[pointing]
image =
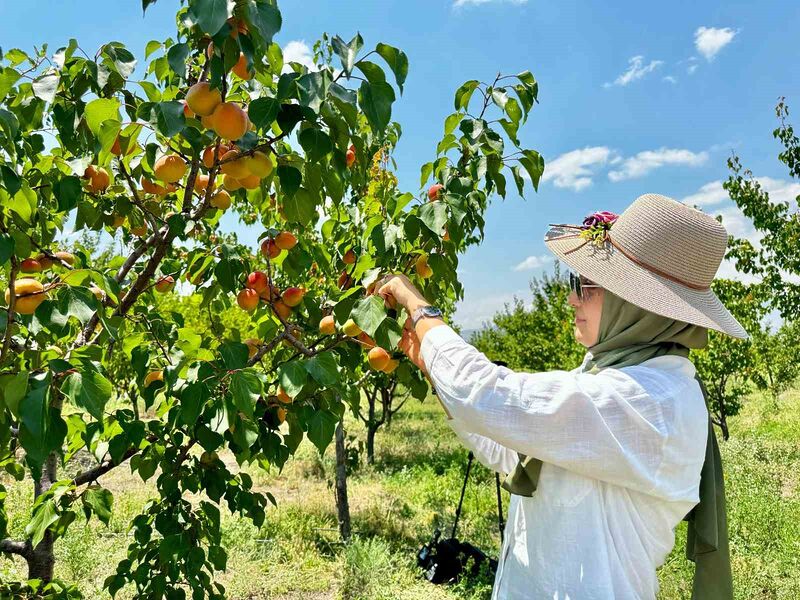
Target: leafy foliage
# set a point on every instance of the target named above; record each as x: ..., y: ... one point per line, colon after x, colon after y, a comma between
x: 96, y: 358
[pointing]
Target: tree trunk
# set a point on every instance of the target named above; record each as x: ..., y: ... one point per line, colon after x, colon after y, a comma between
x: 42, y: 559
x: 342, y: 505
x: 372, y: 429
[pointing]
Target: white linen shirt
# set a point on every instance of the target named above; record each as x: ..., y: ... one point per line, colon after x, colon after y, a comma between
x: 622, y: 452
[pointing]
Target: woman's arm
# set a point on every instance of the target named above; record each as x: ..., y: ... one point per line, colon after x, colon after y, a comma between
x: 488, y: 452
x: 603, y: 426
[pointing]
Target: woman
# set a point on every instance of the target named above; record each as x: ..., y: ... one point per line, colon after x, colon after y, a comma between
x: 603, y: 461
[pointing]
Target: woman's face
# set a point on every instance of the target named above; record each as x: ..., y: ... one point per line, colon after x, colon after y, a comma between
x: 588, y: 310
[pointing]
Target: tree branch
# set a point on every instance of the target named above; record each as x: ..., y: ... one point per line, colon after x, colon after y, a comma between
x: 15, y: 547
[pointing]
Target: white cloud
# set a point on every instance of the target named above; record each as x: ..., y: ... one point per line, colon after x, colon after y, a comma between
x: 636, y: 70
x: 300, y: 52
x: 691, y: 68
x: 644, y: 162
x: 534, y: 262
x: 670, y: 79
x: 459, y: 3
x: 708, y: 195
x: 574, y: 170
x: 779, y: 190
x: 710, y: 40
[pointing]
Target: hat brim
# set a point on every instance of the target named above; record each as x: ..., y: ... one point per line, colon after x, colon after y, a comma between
x: 611, y: 269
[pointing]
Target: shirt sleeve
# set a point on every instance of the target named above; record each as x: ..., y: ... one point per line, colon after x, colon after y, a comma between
x: 603, y: 426
x: 488, y: 452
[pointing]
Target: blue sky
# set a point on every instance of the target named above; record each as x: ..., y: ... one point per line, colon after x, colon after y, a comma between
x: 634, y: 97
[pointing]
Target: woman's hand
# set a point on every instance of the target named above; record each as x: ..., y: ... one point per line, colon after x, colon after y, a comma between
x: 398, y: 290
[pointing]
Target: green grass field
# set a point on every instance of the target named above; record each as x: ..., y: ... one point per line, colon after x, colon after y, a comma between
x: 412, y: 489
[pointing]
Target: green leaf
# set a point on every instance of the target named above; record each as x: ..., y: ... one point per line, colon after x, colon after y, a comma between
x: 519, y: 180
x: 347, y: 52
x: 371, y: 71
x: 533, y: 163
x: 89, y: 390
x: 77, y: 302
x: 451, y: 122
x: 369, y: 313
x: 11, y: 181
x: 464, y: 93
x: 210, y: 15
x: 397, y: 61
x: 315, y: 142
x: 42, y: 429
x: 8, y: 77
x: 99, y: 501
x: 45, y: 86
x: 266, y: 18
x: 12, y: 390
x: 246, y: 390
x: 176, y: 57
x: 292, y: 377
x: 263, y: 111
x: 290, y: 179
x: 6, y: 247
x: 44, y: 515
x: 500, y: 97
x: 152, y: 45
x: 67, y: 191
x: 376, y: 99
x: 513, y: 111
x: 168, y: 117
x: 99, y: 110
x: 323, y: 368
x: 425, y: 173
x: 434, y: 215
x: 321, y: 427
x: 234, y: 355
x: 313, y: 88
x: 300, y: 208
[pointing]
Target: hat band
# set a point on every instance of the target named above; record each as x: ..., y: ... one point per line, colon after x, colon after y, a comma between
x: 633, y: 259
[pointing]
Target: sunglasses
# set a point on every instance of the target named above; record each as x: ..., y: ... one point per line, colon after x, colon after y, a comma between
x: 577, y: 284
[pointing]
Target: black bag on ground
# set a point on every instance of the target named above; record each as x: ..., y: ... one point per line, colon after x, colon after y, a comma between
x: 446, y: 560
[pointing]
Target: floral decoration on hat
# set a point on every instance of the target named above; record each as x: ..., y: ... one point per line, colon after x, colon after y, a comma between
x: 596, y: 226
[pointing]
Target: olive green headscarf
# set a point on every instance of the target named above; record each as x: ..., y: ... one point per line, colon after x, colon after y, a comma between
x: 630, y: 335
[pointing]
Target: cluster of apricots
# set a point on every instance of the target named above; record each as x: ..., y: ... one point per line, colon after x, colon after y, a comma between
x: 258, y: 287
x: 379, y: 359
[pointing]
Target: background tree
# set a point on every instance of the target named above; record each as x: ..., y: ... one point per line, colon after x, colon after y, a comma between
x: 774, y: 259
x: 726, y: 364
x: 535, y: 336
x: 776, y: 367
x: 154, y: 153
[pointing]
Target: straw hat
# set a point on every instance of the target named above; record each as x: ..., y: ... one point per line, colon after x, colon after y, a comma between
x: 659, y: 254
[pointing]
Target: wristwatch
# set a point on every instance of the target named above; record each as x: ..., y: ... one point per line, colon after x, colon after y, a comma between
x: 425, y: 312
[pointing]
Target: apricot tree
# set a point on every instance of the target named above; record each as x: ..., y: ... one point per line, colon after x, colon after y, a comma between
x: 91, y: 357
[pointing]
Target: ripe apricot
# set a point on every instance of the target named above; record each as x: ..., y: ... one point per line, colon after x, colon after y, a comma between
x: 257, y: 280
x: 423, y: 269
x: 350, y: 328
x: 252, y: 346
x: 170, y: 168
x: 98, y: 177
x: 282, y: 309
x: 251, y: 182
x: 259, y: 164
x: 29, y: 295
x: 221, y: 200
x: 350, y: 157
x: 230, y: 183
x: 349, y: 257
x: 435, y: 191
x: 247, y: 299
x: 203, y: 99
x: 229, y: 121
x: 283, y: 397
x: 378, y: 358
x: 240, y: 68
x: 233, y: 165
x: 285, y: 240
x: 165, y: 284
x: 293, y: 296
x: 152, y: 377
x: 270, y: 249
x: 30, y: 265
x: 327, y: 325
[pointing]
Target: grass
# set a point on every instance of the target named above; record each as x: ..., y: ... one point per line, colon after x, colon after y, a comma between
x: 412, y: 489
